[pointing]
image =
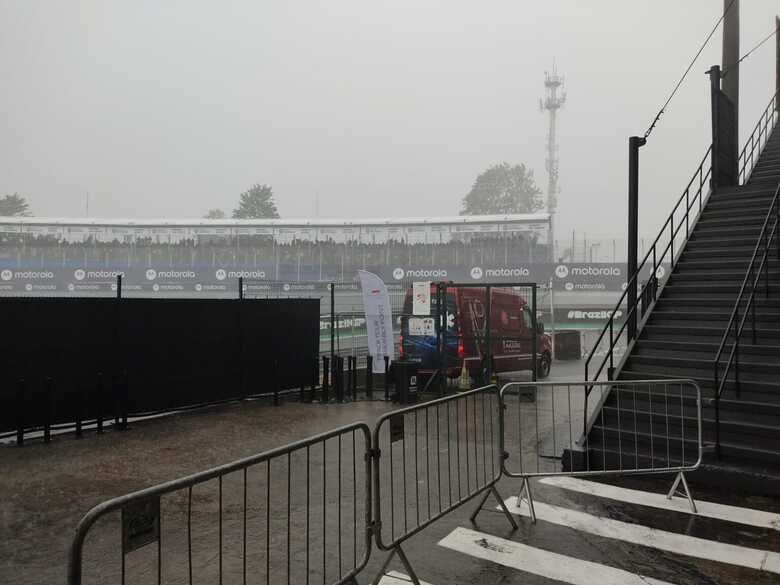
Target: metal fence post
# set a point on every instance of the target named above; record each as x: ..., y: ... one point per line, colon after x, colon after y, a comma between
x: 534, y: 333
x: 48, y: 398
x: 276, y: 382
x: 325, y: 379
x: 370, y: 377
x: 315, y: 374
x: 125, y: 394
x: 80, y: 410
x: 99, y: 402
x: 20, y: 392
x: 387, y: 378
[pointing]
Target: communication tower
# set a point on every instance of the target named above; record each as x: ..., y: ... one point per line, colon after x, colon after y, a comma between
x: 554, y: 98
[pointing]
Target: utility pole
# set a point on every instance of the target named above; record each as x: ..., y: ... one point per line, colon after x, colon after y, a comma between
x: 730, y: 59
x: 552, y: 102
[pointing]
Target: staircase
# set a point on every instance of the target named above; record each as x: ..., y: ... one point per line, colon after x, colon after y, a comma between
x: 682, y: 334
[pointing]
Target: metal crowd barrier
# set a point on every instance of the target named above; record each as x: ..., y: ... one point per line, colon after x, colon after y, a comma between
x: 306, y: 512
x: 430, y: 459
x: 302, y: 511
x: 631, y: 427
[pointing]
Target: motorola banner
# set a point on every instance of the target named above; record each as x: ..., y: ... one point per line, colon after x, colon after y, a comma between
x: 569, y: 277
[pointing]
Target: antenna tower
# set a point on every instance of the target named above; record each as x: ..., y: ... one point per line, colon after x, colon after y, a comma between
x: 552, y: 102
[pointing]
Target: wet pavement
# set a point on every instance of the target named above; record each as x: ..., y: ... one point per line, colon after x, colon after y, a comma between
x: 47, y: 488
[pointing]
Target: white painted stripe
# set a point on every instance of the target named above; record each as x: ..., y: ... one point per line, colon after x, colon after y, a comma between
x: 539, y: 562
x: 736, y: 514
x: 681, y: 544
x: 396, y: 578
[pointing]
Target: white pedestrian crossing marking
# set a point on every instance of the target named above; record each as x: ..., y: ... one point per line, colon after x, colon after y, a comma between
x: 736, y: 514
x: 540, y: 562
x: 651, y: 537
x: 396, y: 578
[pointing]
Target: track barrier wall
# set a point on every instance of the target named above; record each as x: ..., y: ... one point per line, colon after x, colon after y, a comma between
x: 313, y: 510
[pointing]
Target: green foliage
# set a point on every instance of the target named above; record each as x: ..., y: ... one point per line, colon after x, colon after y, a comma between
x: 215, y: 214
x: 14, y: 206
x: 503, y: 189
x: 257, y: 202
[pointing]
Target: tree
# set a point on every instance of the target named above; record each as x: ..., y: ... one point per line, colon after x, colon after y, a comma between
x: 256, y: 202
x: 14, y: 206
x: 215, y: 214
x: 503, y: 189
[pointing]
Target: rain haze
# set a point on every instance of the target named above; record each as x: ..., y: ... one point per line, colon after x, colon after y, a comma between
x: 353, y: 109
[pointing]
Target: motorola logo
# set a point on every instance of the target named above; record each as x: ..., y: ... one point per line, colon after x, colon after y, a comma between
x: 79, y: 274
x: 561, y: 271
x: 476, y: 273
x: 6, y: 275
x: 151, y: 274
x: 398, y: 273
x: 221, y: 274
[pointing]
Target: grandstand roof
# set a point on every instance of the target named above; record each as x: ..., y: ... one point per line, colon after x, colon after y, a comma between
x: 446, y: 220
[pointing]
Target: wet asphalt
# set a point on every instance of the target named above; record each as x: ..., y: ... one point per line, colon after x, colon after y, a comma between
x: 46, y: 489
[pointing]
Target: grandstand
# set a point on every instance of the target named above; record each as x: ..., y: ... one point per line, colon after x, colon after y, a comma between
x: 274, y: 249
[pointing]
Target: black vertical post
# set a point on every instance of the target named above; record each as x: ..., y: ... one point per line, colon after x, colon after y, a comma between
x: 387, y: 378
x: 49, y: 408
x: 125, y: 397
x: 80, y: 391
x: 242, y: 390
x: 20, y: 392
x: 634, y: 144
x: 119, y: 286
x: 534, y: 334
x: 339, y: 375
x: 315, y: 374
x: 354, y: 377
x: 488, y: 341
x: 714, y: 73
x: 332, y: 323
x: 325, y: 379
x: 370, y: 377
x: 99, y: 403
x: 240, y: 288
x: 276, y: 382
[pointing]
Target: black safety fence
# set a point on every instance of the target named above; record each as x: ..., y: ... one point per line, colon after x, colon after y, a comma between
x: 312, y: 511
x: 76, y: 362
x: 342, y: 320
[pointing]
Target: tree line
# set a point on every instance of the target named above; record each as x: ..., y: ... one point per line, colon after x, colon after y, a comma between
x: 501, y: 189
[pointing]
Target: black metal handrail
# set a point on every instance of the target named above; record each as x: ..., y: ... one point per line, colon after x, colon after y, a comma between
x: 736, y: 326
x: 756, y: 141
x: 649, y: 289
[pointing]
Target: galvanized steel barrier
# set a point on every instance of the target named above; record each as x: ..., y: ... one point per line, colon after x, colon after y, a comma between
x: 306, y: 512
x: 430, y: 459
x: 638, y: 427
x: 302, y: 511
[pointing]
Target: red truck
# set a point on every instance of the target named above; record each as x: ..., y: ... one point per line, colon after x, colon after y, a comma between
x: 465, y: 335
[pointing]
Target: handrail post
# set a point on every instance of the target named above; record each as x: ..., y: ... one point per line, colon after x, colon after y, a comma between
x: 736, y: 354
x: 753, y: 304
x: 611, y: 369
x: 634, y: 144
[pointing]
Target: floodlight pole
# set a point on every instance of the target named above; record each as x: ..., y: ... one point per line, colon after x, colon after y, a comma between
x: 634, y: 144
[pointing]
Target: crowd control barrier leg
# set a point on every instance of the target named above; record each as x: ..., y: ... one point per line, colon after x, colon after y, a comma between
x: 397, y: 550
x: 680, y: 480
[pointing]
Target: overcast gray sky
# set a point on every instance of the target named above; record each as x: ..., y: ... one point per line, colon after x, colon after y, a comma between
x: 166, y: 109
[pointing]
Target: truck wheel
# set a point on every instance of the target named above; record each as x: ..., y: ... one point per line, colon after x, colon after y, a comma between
x: 543, y: 369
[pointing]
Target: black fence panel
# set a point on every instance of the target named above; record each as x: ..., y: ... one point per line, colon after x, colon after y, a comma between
x: 70, y: 360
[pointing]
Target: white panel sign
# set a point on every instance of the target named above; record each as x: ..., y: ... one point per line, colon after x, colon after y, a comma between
x: 421, y: 298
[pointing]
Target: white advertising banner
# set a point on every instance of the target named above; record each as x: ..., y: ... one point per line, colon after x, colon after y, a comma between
x: 379, y: 319
x: 421, y: 298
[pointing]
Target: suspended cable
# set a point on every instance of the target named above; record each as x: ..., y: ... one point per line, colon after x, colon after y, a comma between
x: 750, y: 52
x: 690, y: 66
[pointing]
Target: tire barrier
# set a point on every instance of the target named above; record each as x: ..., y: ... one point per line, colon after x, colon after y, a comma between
x: 313, y: 510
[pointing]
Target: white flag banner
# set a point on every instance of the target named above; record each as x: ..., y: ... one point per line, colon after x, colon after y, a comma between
x: 379, y: 319
x: 421, y: 298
